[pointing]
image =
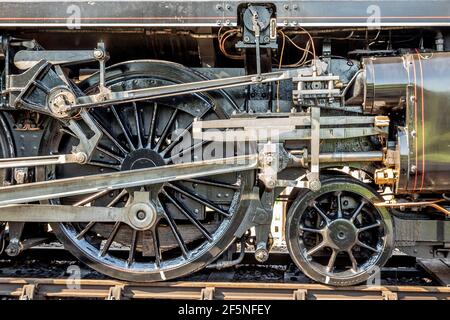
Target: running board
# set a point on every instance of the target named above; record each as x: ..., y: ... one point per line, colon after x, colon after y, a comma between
x: 53, y: 189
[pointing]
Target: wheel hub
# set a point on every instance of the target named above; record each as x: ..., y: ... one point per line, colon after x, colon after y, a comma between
x: 342, y: 234
x: 142, y: 215
x: 141, y: 159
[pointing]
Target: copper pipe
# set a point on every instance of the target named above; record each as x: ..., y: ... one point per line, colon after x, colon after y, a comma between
x: 433, y: 204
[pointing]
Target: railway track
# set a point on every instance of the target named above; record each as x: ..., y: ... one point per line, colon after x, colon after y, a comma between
x: 29, y: 289
x: 45, y: 276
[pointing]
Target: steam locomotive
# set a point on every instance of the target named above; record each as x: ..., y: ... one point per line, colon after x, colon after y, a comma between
x: 153, y: 139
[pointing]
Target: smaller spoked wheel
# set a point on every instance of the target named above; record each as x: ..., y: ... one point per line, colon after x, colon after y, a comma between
x: 337, y: 236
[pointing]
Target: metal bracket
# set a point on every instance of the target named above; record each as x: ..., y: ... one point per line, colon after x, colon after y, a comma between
x: 272, y: 159
x: 115, y: 293
x: 83, y: 151
x: 15, y: 234
x: 207, y: 293
x: 259, y: 215
x: 28, y: 292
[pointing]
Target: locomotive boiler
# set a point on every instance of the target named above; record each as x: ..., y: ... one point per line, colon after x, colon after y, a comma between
x: 153, y: 139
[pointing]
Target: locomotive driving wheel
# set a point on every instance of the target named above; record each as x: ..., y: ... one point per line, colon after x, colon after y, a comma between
x: 336, y: 235
x: 193, y: 221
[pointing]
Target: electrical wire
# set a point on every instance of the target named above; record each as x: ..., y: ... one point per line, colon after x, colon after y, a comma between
x: 222, y: 38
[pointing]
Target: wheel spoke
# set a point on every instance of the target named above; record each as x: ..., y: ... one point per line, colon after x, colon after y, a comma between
x: 138, y: 125
x: 332, y: 260
x: 182, y: 134
x: 362, y: 244
x: 176, y: 233
x: 110, y: 154
x: 339, y: 204
x: 353, y: 260
x: 117, y: 198
x: 188, y: 214
x: 101, y: 149
x: 315, y: 249
x: 156, y: 247
x: 305, y: 229
x: 165, y: 132
x: 189, y: 149
x: 375, y: 225
x: 357, y: 211
x: 91, y: 198
x: 104, y: 165
x: 321, y: 213
x: 85, y: 230
x: 134, y: 236
x: 214, y: 184
x: 124, y: 130
x: 176, y: 140
x: 110, y: 239
x: 110, y: 137
x: 151, y: 133
x: 198, y: 199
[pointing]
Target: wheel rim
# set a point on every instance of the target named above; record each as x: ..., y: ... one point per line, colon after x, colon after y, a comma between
x: 195, y: 218
x: 338, y: 236
x: 2, y: 237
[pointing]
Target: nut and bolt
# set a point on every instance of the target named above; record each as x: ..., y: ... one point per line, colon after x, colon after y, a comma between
x: 99, y: 54
x: 269, y: 159
x: 261, y: 255
x: 81, y: 157
x: 315, y: 185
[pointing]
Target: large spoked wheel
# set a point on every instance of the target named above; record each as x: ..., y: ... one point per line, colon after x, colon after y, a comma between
x: 196, y: 219
x: 337, y: 236
x: 6, y: 175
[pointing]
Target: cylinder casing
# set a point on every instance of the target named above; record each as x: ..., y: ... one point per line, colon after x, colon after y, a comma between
x: 419, y: 83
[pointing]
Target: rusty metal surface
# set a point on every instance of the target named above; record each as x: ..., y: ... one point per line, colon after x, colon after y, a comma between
x: 27, y: 289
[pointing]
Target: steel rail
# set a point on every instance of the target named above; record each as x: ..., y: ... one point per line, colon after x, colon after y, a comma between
x: 32, y: 288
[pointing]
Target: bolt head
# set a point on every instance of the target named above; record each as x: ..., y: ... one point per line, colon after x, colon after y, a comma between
x: 141, y: 215
x: 98, y: 54
x: 81, y: 157
x: 261, y: 255
x: 315, y: 185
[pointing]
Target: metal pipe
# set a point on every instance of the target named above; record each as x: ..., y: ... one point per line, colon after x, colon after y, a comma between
x: 351, y: 156
x: 337, y: 157
x: 226, y: 264
x: 433, y: 204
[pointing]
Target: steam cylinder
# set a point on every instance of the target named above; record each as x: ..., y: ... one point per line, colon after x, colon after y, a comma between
x: 418, y: 83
